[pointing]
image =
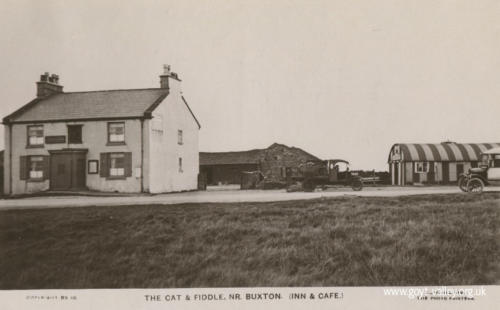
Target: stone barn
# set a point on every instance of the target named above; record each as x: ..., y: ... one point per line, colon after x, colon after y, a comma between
x: 274, y: 162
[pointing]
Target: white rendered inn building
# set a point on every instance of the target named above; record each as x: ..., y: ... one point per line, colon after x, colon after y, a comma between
x: 131, y: 140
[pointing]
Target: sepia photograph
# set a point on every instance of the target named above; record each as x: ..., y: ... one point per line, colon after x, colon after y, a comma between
x: 256, y: 154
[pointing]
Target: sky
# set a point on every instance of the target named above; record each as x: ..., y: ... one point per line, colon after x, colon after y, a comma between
x: 340, y: 79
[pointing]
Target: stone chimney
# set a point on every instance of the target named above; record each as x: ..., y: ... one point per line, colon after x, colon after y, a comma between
x: 48, y: 85
x: 167, y: 76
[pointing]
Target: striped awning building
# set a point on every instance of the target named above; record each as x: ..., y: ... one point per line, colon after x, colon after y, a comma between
x: 446, y: 151
x: 427, y: 163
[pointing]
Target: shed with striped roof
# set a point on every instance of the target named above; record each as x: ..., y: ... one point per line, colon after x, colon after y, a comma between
x: 438, y: 163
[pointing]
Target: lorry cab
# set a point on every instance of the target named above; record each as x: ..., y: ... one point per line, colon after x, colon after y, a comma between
x: 493, y: 171
x: 337, y: 169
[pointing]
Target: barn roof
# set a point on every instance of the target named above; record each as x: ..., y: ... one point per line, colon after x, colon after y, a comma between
x: 230, y: 158
x: 446, y: 151
x: 129, y: 103
x: 244, y: 157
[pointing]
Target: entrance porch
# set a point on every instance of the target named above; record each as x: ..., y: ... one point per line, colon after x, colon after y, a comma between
x: 68, y: 170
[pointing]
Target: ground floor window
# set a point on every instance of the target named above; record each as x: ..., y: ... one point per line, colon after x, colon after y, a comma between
x: 116, y: 165
x: 180, y: 165
x: 421, y: 167
x: 36, y: 168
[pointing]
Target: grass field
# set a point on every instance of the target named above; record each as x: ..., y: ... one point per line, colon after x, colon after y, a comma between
x: 349, y: 241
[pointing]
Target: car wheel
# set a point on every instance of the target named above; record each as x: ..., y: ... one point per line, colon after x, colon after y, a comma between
x: 475, y: 186
x: 462, y: 183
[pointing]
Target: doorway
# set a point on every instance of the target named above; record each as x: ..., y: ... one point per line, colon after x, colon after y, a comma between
x: 68, y: 170
x: 396, y: 174
x: 446, y: 172
x: 460, y: 170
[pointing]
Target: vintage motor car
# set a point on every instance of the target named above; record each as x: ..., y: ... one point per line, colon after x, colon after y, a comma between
x: 487, y: 174
x: 333, y: 172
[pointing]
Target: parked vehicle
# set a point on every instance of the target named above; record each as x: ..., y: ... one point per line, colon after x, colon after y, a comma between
x: 325, y: 173
x: 487, y: 174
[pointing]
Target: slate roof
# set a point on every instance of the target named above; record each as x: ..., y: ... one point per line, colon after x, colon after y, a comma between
x: 230, y: 158
x: 254, y: 156
x: 129, y: 103
x: 446, y: 151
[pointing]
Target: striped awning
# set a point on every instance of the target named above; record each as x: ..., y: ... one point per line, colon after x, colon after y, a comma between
x: 446, y: 151
x: 495, y: 150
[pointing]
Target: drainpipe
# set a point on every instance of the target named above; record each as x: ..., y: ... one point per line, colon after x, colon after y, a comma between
x: 142, y: 155
x: 10, y: 159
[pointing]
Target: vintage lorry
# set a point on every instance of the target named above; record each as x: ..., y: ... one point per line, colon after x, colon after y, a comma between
x: 487, y: 174
x: 324, y: 173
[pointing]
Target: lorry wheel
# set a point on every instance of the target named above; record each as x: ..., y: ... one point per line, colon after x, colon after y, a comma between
x: 475, y: 185
x: 357, y: 185
x: 462, y: 183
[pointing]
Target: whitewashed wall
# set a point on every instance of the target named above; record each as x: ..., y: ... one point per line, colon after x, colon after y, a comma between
x: 169, y: 117
x: 94, y: 135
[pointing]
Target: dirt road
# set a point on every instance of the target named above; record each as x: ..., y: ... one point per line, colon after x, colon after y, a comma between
x: 233, y: 195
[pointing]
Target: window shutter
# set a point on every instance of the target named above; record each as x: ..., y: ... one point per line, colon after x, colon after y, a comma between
x: 23, y: 174
x: 46, y: 167
x: 128, y: 164
x: 104, y: 172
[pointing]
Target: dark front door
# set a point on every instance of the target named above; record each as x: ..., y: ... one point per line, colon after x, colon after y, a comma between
x: 396, y: 174
x: 60, y: 171
x: 78, y: 171
x: 460, y: 169
x: 446, y: 172
x: 431, y: 175
x: 67, y: 171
